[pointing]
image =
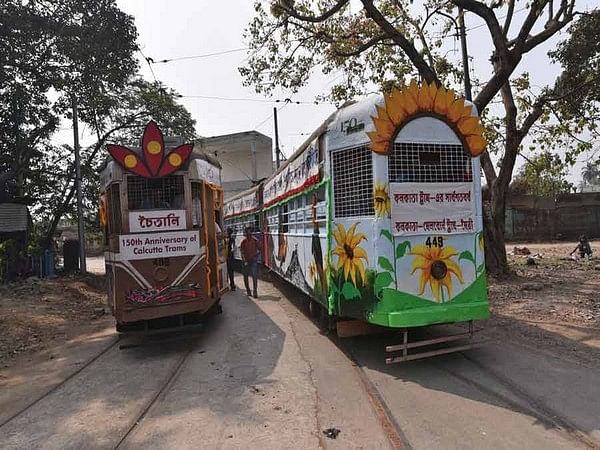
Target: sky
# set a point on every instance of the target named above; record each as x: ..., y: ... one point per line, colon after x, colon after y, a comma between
x: 183, y: 28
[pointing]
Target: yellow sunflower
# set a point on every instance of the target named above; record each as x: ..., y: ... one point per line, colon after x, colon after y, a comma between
x: 381, y: 200
x: 349, y: 253
x: 436, y: 267
x: 312, y: 272
x: 401, y: 106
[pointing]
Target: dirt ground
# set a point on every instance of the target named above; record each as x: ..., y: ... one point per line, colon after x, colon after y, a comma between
x: 36, y: 314
x: 555, y: 289
x: 554, y: 304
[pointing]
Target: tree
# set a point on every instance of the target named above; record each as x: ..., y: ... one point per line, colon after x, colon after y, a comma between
x: 591, y: 173
x: 82, y: 48
x: 389, y: 41
x: 544, y: 175
x: 139, y: 102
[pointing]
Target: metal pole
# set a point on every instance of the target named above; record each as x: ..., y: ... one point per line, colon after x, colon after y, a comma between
x: 276, y: 138
x: 465, y: 55
x: 81, y: 229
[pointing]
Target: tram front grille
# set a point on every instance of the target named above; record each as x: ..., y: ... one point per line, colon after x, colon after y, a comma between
x: 429, y: 163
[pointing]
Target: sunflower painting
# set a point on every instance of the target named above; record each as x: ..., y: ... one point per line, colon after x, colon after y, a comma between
x: 312, y: 272
x: 381, y: 199
x: 436, y: 266
x: 349, y: 254
x: 401, y: 106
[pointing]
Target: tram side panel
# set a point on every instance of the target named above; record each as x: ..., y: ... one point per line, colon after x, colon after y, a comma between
x: 296, y: 243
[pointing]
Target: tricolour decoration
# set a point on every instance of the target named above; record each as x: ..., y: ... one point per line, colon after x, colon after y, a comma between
x: 402, y: 106
x: 154, y: 161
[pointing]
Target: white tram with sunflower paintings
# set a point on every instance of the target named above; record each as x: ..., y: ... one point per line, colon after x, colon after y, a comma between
x: 377, y: 217
x: 161, y: 210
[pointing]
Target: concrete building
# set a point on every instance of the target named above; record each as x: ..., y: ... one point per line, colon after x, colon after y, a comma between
x: 246, y: 158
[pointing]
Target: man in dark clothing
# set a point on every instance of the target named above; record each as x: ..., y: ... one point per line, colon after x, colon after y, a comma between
x: 250, y: 252
x: 230, y: 249
x: 584, y: 247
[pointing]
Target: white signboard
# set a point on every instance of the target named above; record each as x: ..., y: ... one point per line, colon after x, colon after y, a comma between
x: 244, y: 204
x: 432, y: 208
x: 163, y: 220
x: 159, y: 245
x: 299, y: 173
x: 204, y: 170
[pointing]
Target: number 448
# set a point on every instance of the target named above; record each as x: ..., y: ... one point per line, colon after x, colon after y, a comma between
x: 436, y: 241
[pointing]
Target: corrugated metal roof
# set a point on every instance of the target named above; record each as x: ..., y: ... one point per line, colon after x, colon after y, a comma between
x: 13, y: 217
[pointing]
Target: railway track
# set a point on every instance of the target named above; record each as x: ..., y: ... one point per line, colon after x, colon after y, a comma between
x: 93, y: 364
x: 166, y: 383
x: 61, y: 383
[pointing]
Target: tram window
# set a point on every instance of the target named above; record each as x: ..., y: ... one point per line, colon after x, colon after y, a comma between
x: 155, y: 193
x: 114, y: 209
x: 353, y: 182
x: 429, y: 163
x: 283, y: 218
x: 196, y: 205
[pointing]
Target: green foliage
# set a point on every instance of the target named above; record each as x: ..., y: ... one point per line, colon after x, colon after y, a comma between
x: 143, y: 100
x: 544, y: 174
x: 401, y: 249
x: 387, y: 235
x: 65, y: 47
x: 348, y: 47
x: 382, y: 280
x: 466, y: 254
x: 385, y: 264
x: 590, y: 174
x: 350, y: 292
x: 59, y: 50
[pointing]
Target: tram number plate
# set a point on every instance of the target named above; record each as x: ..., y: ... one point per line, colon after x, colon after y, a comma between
x: 435, y: 241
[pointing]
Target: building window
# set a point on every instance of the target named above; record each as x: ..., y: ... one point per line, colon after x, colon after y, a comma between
x: 429, y: 163
x: 353, y: 182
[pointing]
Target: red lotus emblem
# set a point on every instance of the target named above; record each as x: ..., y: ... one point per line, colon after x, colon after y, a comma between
x: 154, y: 160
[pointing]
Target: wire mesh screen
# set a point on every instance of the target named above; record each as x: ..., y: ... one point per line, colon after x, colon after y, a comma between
x: 429, y: 163
x: 353, y: 182
x: 155, y: 193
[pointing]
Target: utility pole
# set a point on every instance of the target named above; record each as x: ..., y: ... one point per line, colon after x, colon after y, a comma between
x: 465, y: 55
x: 81, y: 230
x: 276, y: 138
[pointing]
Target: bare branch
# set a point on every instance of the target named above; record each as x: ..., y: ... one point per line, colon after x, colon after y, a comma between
x: 426, y: 71
x: 488, y: 15
x: 288, y: 7
x: 361, y: 48
x: 509, y: 16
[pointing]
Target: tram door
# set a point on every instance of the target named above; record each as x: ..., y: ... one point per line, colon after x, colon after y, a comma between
x: 213, y: 197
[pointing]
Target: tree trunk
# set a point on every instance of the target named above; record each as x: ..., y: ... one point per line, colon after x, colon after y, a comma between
x: 493, y: 226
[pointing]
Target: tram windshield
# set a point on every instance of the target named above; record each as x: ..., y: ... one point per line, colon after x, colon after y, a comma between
x: 155, y: 193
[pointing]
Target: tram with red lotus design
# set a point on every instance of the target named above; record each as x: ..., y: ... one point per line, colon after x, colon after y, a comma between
x: 161, y: 210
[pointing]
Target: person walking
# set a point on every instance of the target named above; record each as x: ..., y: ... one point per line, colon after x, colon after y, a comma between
x: 250, y: 252
x: 230, y: 249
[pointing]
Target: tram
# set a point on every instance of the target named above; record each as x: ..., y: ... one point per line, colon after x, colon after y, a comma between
x: 161, y: 210
x: 378, y: 217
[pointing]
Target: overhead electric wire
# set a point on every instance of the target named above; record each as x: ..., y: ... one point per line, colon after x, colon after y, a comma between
x: 257, y: 100
x: 205, y: 55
